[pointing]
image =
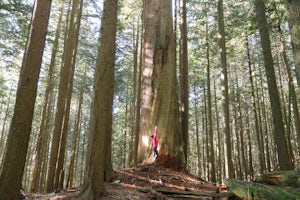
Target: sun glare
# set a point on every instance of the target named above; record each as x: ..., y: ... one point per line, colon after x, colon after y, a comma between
x: 145, y: 140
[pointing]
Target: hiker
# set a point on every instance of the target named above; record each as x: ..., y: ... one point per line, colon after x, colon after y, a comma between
x: 155, y: 142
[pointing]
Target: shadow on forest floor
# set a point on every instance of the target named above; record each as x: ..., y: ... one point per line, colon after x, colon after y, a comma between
x: 149, y: 182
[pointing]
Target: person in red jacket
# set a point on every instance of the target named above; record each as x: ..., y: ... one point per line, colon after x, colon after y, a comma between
x: 155, y: 142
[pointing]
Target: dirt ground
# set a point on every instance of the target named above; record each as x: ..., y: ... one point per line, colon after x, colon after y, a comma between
x: 149, y: 182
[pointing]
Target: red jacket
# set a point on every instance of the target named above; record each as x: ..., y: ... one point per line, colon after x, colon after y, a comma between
x: 154, y: 138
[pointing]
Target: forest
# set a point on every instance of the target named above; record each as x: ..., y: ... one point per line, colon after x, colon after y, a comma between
x: 84, y: 84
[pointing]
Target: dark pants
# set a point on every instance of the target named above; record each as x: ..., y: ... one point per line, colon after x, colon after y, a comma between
x: 155, y: 152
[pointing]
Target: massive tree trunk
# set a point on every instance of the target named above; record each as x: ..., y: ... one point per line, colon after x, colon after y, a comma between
x: 229, y: 170
x: 101, y: 129
x: 279, y: 132
x: 159, y: 104
x: 20, y: 128
x: 293, y: 16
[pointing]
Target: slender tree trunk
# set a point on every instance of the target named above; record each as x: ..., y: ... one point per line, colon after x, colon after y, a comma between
x: 279, y: 132
x: 62, y: 97
x: 102, y: 113
x: 244, y: 164
x: 209, y: 111
x: 58, y: 184
x: 220, y: 142
x: 20, y: 128
x: 70, y: 181
x: 138, y: 96
x: 197, y: 128
x: 226, y: 124
x: 254, y: 104
x: 135, y: 98
x: 240, y: 133
x: 250, y: 157
x: 184, y: 72
x: 3, y: 130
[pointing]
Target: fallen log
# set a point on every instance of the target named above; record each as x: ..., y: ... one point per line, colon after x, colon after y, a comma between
x: 281, y: 178
x: 181, y: 192
x: 255, y: 191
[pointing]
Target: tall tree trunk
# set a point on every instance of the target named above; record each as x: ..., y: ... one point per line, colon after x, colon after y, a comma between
x: 254, y: 104
x: 20, y: 128
x: 240, y: 133
x: 58, y: 184
x: 226, y: 125
x: 159, y: 105
x: 220, y: 142
x: 197, y: 138
x: 287, y: 64
x: 209, y: 110
x: 137, y: 119
x: 136, y: 39
x: 250, y: 157
x: 71, y: 175
x: 184, y: 72
x: 102, y: 113
x: 62, y: 97
x: 293, y: 16
x: 279, y: 132
x: 38, y: 160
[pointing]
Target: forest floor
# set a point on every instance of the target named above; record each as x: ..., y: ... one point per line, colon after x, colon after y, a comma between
x: 149, y: 182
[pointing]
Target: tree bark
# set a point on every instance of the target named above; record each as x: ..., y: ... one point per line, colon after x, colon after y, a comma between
x: 225, y: 104
x: 62, y: 98
x: 20, y: 128
x: 76, y: 138
x: 58, y: 184
x: 254, y: 104
x: 184, y: 72
x: 42, y: 136
x: 209, y: 110
x: 159, y: 104
x: 279, y: 132
x: 101, y: 129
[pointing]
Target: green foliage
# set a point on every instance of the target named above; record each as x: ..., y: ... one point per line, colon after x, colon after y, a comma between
x: 14, y: 23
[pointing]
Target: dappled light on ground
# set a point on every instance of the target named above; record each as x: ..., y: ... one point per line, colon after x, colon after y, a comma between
x: 150, y: 182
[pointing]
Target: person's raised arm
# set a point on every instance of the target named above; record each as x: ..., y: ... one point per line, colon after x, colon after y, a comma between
x: 155, y: 131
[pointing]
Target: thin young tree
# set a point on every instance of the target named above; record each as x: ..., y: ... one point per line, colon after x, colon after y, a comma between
x: 159, y: 104
x: 101, y: 126
x: 18, y: 138
x: 229, y: 169
x: 209, y: 107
